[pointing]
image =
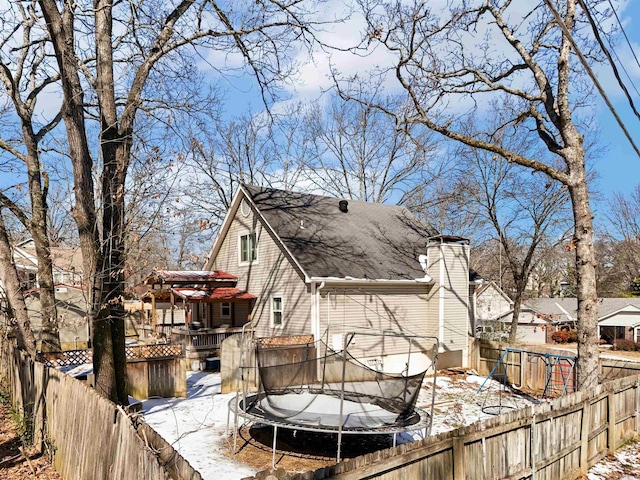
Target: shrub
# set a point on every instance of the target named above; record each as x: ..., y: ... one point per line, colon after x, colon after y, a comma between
x: 626, y: 345
x: 560, y: 337
x: 573, y: 336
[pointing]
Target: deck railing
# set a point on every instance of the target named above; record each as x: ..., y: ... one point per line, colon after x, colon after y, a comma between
x: 203, y: 339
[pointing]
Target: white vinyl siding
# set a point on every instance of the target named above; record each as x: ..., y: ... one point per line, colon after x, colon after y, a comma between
x: 391, y: 309
x: 456, y: 304
x: 272, y: 274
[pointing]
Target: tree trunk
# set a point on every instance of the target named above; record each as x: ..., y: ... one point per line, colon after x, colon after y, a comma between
x: 517, y: 304
x: 61, y: 28
x: 586, y: 281
x: 9, y: 277
x: 49, y: 336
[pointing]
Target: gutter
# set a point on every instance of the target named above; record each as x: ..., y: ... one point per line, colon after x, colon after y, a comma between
x: 368, y: 281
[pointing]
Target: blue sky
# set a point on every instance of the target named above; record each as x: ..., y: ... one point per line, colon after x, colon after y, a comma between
x: 619, y: 167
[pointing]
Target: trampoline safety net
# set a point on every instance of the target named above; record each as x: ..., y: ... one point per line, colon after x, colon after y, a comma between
x: 313, y: 385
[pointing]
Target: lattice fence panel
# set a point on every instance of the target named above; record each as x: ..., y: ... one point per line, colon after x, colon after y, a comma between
x: 66, y: 359
x: 153, y: 351
x: 133, y: 352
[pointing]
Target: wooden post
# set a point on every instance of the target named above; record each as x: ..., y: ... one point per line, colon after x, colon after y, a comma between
x: 611, y: 431
x: 584, y: 436
x: 532, y: 448
x: 459, y: 459
x: 154, y: 312
x: 173, y: 306
x: 637, y: 413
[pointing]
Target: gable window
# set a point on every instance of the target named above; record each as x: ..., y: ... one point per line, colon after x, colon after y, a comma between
x: 248, y: 247
x: 276, y: 311
x: 225, y: 310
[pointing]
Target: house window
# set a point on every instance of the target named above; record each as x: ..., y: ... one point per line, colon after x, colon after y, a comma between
x: 276, y: 311
x: 248, y: 247
x: 225, y: 310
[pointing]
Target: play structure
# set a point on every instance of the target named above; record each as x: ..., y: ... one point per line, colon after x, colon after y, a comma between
x: 319, y: 387
x: 559, y: 373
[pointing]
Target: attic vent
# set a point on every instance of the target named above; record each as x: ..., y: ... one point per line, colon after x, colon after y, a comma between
x: 343, y: 205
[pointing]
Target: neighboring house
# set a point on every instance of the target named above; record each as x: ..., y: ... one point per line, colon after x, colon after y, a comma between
x: 67, y: 265
x: 494, y: 312
x: 618, y: 318
x: 73, y: 322
x: 324, y: 267
x: 71, y: 301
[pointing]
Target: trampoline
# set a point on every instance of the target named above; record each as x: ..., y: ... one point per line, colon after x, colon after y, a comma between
x: 331, y: 391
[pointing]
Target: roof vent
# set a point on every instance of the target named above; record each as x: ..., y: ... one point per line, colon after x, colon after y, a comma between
x: 343, y: 205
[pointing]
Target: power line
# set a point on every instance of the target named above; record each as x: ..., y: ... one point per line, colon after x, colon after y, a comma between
x: 617, y: 57
x: 595, y: 81
x: 624, y: 33
x: 616, y: 73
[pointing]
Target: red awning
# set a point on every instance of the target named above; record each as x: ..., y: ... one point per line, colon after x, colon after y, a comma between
x: 222, y: 294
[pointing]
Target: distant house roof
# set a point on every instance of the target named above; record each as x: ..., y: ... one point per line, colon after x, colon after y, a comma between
x: 566, y: 309
x: 487, y: 288
x: 188, y: 276
x: 66, y: 259
x: 357, y: 239
x: 221, y: 294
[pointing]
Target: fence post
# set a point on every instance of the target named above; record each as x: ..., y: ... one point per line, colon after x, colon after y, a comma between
x: 611, y: 431
x: 585, y: 428
x: 637, y: 419
x: 459, y: 459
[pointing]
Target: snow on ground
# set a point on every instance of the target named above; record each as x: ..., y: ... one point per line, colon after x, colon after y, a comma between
x: 459, y: 404
x: 195, y: 425
x: 625, y: 465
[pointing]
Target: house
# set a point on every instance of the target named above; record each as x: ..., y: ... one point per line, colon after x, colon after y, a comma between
x: 198, y: 309
x: 618, y: 318
x: 73, y: 321
x: 538, y: 319
x: 67, y: 265
x: 196, y: 299
x: 322, y: 266
x: 71, y: 301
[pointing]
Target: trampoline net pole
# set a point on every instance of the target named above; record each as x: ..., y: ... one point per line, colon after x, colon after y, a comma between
x: 275, y: 440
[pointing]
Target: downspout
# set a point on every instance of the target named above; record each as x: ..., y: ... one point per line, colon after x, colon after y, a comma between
x: 315, y: 310
x: 441, y: 298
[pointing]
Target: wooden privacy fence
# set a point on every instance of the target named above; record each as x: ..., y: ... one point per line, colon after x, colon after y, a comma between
x: 92, y: 438
x: 529, y: 371
x: 525, y: 370
x: 556, y: 440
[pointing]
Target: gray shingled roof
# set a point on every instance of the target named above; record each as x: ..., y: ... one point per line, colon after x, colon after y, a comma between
x: 552, y: 305
x: 370, y: 240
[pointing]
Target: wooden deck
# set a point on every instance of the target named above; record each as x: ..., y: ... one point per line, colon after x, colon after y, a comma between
x: 202, y: 343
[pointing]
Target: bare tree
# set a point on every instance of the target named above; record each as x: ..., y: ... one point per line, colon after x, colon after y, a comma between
x: 523, y: 211
x: 124, y: 75
x: 619, y: 246
x: 25, y: 74
x: 15, y: 298
x: 476, y: 52
x: 357, y: 152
